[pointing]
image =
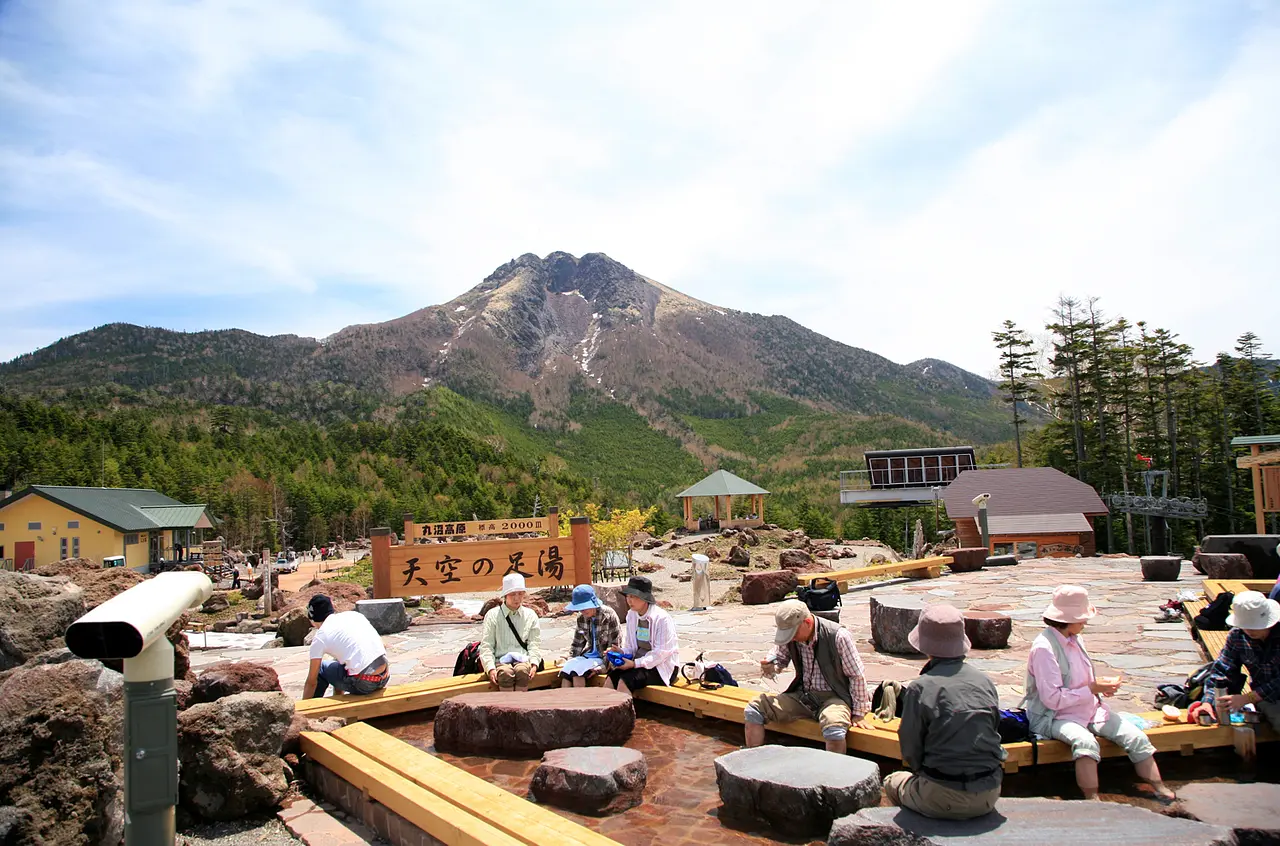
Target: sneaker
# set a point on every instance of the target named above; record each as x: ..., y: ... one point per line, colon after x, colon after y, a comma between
x: 1168, y: 615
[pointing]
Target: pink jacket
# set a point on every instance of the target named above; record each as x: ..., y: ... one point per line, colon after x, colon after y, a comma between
x: 1076, y: 704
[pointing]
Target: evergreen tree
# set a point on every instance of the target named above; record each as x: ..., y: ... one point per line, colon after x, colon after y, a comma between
x: 1017, y: 368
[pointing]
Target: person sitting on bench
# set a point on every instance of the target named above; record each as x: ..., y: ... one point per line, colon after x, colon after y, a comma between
x: 1063, y: 696
x: 360, y: 659
x: 1252, y: 645
x: 597, y: 631
x: 830, y: 684
x: 950, y: 730
x: 649, y: 638
x: 511, y: 641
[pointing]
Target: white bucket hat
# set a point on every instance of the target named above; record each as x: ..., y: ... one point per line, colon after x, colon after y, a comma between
x: 512, y: 582
x: 1252, y: 610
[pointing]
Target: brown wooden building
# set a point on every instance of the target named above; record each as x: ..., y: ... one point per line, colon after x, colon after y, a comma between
x: 1034, y: 512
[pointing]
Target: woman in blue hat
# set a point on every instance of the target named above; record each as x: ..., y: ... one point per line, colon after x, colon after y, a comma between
x: 598, y: 631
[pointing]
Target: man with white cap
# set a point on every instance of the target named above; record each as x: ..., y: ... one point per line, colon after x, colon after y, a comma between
x: 830, y: 684
x: 511, y: 642
x: 1252, y: 645
x: 950, y: 730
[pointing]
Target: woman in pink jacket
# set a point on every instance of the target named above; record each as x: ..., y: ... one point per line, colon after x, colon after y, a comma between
x: 1064, y: 696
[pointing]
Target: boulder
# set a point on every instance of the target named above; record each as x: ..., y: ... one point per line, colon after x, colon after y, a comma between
x: 1161, y: 568
x: 532, y: 723
x: 713, y: 553
x: 274, y: 643
x: 60, y: 753
x: 749, y: 538
x: 35, y: 612
x: 1252, y: 810
x: 98, y: 584
x: 1019, y: 821
x: 1223, y: 565
x: 892, y: 619
x: 767, y: 586
x: 615, y: 599
x: 253, y: 590
x: 795, y: 790
x: 344, y: 595
x: 988, y: 629
x: 652, y: 543
x: 293, y: 626
x: 387, y: 615
x: 228, y: 678
x: 229, y: 752
x: 1001, y: 561
x: 795, y: 559
x: 292, y: 743
x: 739, y: 556
x: 536, y: 603
x: 968, y: 559
x: 17, y: 827
x: 593, y: 780
x: 1263, y: 551
x: 215, y: 603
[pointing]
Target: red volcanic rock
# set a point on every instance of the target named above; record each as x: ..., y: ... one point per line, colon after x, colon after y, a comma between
x: 987, y: 629
x: 228, y: 678
x: 591, y: 779
x: 767, y: 586
x: 968, y: 559
x: 531, y: 723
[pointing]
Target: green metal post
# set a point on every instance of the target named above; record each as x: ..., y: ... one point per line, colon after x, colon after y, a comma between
x: 150, y: 748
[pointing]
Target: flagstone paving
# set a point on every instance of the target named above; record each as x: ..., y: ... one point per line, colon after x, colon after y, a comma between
x: 1123, y: 636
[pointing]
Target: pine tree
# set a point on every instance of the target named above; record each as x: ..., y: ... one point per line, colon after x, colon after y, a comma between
x: 1068, y: 347
x: 1017, y: 367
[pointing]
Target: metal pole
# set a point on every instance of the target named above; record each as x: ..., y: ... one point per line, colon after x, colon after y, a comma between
x: 151, y: 746
x: 982, y: 524
x: 266, y: 581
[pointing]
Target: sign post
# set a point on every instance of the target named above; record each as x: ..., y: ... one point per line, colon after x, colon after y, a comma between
x: 267, y: 593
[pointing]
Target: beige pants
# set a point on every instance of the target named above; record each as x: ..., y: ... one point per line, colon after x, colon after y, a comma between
x: 785, y: 707
x: 928, y: 798
x: 514, y: 675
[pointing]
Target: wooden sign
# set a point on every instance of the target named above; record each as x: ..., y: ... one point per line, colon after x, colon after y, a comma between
x: 423, y: 532
x: 211, y: 555
x: 1271, y: 490
x: 417, y: 569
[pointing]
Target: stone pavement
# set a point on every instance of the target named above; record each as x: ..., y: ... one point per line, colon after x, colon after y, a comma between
x: 1123, y: 637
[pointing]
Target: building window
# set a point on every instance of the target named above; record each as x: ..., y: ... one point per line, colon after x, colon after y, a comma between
x: 1, y: 527
x: 75, y: 547
x: 73, y: 524
x: 62, y: 547
x: 33, y: 527
x: 129, y: 540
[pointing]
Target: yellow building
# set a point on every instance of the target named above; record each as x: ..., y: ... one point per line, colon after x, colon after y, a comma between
x: 47, y: 523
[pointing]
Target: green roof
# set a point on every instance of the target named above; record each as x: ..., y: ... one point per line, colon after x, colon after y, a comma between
x: 722, y: 483
x: 123, y: 509
x: 1256, y: 440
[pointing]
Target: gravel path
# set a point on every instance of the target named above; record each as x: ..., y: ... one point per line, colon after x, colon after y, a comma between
x: 266, y: 831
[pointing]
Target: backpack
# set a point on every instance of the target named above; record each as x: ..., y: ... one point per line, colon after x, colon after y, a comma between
x: 468, y: 660
x: 1171, y: 694
x: 1214, y: 616
x: 1194, y: 685
x: 1014, y: 726
x: 824, y: 598
x: 718, y: 674
x: 707, y: 676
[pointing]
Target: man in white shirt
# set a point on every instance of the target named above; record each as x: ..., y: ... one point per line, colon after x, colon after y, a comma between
x: 360, y: 664
x: 649, y: 638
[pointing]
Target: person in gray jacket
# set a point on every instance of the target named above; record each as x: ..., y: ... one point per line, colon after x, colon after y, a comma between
x: 950, y: 731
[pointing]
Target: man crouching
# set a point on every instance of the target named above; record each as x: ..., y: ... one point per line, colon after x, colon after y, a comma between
x: 830, y: 684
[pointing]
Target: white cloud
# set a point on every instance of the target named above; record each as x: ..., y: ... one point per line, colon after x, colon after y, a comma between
x: 938, y: 167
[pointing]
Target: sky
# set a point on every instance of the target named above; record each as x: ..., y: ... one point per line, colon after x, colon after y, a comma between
x: 899, y: 176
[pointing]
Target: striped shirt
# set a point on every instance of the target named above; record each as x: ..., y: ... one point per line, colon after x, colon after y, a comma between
x: 815, y: 682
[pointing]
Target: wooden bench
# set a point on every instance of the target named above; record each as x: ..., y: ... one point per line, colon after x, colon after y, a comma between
x: 1213, y: 587
x: 881, y: 739
x: 439, y: 796
x: 921, y: 568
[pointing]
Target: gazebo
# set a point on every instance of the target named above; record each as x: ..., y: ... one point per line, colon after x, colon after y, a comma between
x: 722, y: 486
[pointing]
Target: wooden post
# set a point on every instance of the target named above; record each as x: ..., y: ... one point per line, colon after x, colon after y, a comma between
x: 408, y: 528
x: 1259, y: 520
x: 760, y: 510
x: 267, y: 596
x: 580, y: 532
x: 553, y: 522
x: 381, y: 553
x: 728, y: 508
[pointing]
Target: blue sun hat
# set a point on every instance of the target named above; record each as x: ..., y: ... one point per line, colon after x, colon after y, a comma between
x: 584, y: 597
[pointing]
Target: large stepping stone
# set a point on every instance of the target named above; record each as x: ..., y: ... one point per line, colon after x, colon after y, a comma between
x: 892, y: 619
x: 795, y: 790
x: 1253, y: 810
x: 1223, y: 565
x: 387, y: 615
x: 522, y: 724
x: 968, y: 559
x: 1017, y: 822
x: 988, y: 629
x: 1161, y: 568
x: 766, y: 586
x: 593, y: 780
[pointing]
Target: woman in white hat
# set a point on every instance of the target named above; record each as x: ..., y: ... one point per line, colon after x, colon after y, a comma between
x: 1249, y: 646
x: 511, y: 642
x: 1064, y: 696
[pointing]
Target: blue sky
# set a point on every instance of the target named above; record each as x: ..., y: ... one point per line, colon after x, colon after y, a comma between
x: 294, y: 167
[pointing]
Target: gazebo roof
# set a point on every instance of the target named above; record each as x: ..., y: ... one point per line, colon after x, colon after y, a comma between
x: 722, y: 483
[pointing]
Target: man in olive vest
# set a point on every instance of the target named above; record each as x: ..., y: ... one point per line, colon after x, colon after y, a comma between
x: 830, y: 684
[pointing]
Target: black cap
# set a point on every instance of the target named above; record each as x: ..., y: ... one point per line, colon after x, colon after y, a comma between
x: 640, y: 587
x: 319, y: 608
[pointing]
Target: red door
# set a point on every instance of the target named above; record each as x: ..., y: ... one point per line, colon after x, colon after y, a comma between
x: 24, y: 554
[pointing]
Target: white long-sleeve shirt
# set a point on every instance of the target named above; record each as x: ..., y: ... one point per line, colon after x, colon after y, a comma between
x: 665, y: 646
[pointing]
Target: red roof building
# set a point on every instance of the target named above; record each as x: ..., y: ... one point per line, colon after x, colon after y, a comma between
x: 1034, y: 512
